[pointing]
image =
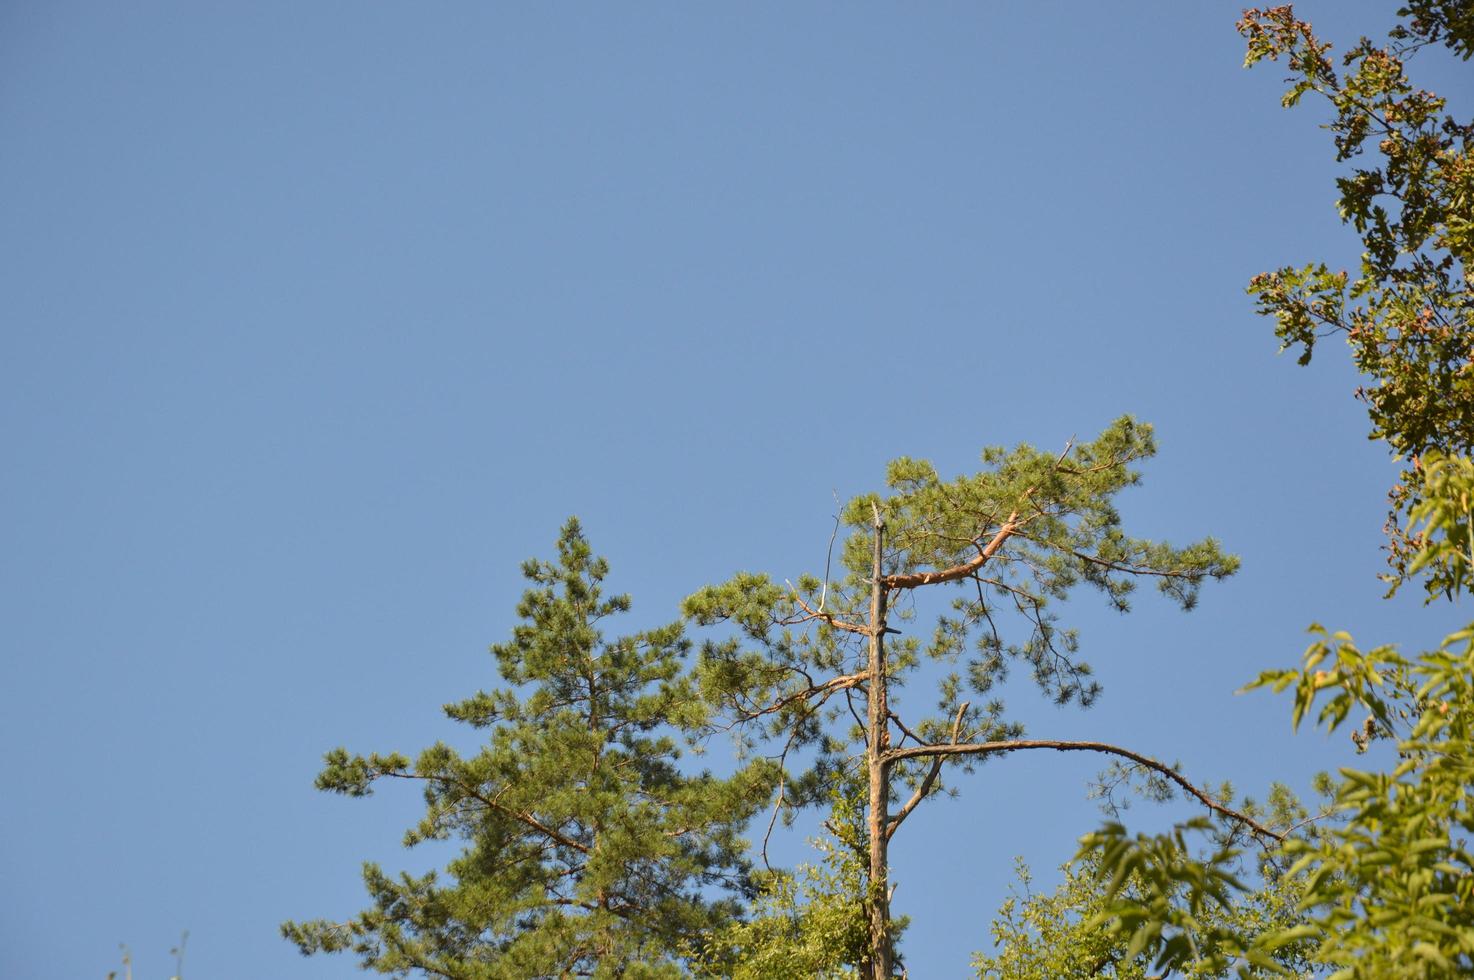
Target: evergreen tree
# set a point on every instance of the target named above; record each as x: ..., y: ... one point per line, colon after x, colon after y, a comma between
x: 589, y: 849
x: 819, y: 664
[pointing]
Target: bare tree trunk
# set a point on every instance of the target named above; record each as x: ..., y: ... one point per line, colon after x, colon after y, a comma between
x: 879, y: 743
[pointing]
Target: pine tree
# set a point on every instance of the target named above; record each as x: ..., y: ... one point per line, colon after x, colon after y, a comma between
x: 820, y: 664
x: 590, y: 850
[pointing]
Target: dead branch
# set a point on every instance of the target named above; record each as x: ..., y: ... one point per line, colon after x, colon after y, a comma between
x: 820, y: 614
x: 829, y: 555
x: 821, y: 691
x: 782, y: 794
x: 993, y: 748
x: 906, y: 732
x: 926, y: 784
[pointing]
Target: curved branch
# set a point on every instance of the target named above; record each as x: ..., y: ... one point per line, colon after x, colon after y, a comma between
x: 993, y: 748
x: 1005, y: 531
x: 782, y: 794
x: 821, y: 691
x: 917, y: 579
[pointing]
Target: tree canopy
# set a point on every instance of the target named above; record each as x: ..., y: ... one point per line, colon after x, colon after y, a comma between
x: 590, y: 848
x: 813, y: 664
x: 1407, y: 315
x: 1382, y: 875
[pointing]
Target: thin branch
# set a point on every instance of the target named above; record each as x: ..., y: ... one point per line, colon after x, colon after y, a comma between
x: 829, y: 555
x: 819, y: 613
x: 906, y: 732
x: 820, y: 691
x: 864, y: 732
x: 1062, y: 664
x: 926, y: 784
x: 517, y: 815
x: 992, y: 748
x: 782, y: 793
x: 1116, y: 566
x: 1325, y: 812
x: 988, y: 615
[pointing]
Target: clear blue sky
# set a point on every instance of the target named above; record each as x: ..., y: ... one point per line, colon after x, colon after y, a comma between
x: 317, y: 318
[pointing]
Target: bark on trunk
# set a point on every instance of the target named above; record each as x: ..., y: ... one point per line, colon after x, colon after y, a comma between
x: 879, y: 744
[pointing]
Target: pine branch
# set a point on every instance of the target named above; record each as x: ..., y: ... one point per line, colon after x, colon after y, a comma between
x: 918, y: 579
x: 992, y: 748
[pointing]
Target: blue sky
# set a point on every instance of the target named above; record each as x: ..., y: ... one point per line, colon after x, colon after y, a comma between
x: 317, y: 319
